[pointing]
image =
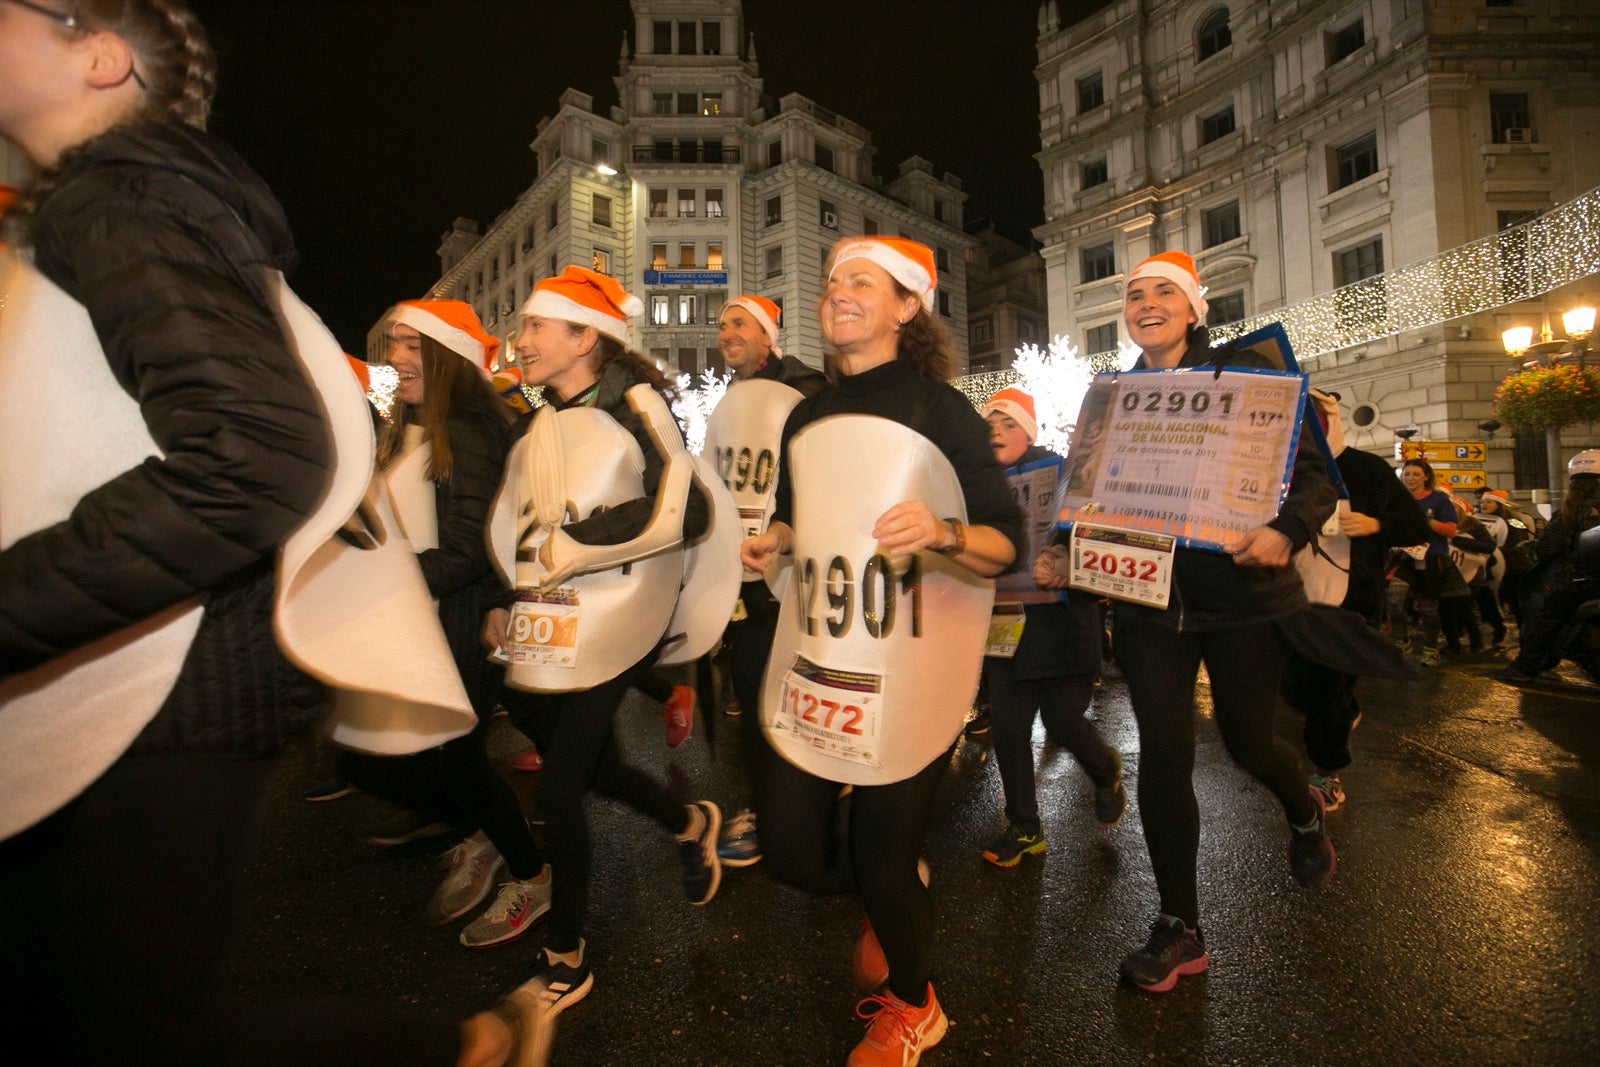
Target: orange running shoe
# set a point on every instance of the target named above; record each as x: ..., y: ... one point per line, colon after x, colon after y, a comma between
x: 897, y: 1033
x: 870, y: 965
x: 678, y: 714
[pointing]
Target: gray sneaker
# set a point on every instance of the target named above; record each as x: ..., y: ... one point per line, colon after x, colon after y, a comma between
x: 473, y: 865
x: 516, y: 908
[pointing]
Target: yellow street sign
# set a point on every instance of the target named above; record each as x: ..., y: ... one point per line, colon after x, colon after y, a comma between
x: 1452, y: 480
x: 1442, y: 451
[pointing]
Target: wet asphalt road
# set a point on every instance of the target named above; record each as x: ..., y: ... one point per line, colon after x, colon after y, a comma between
x: 1462, y: 926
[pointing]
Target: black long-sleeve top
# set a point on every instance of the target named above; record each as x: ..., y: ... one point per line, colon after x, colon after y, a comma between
x: 1376, y: 492
x: 899, y: 392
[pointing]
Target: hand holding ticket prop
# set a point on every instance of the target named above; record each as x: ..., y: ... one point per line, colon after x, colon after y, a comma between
x: 757, y: 553
x: 1050, y: 570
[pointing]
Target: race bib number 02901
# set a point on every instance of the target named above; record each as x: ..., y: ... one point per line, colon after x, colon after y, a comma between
x: 1122, y: 564
x: 835, y: 712
x: 544, y: 628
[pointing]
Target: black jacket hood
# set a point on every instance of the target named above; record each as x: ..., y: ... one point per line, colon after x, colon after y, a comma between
x: 199, y: 157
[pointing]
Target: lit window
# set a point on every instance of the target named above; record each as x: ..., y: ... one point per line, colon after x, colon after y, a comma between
x: 685, y: 310
x: 686, y: 203
x: 658, y: 257
x: 711, y: 104
x: 660, y: 311
x: 714, y: 255
x: 686, y: 257
x: 601, y: 261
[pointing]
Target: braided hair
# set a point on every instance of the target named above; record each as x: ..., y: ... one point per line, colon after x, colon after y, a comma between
x: 171, y: 55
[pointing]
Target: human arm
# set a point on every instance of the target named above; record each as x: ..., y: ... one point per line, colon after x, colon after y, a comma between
x: 910, y: 527
x: 478, y: 456
x: 180, y: 298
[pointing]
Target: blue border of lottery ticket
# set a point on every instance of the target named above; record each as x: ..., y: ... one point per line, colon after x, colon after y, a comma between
x: 1214, y: 371
x: 1051, y: 460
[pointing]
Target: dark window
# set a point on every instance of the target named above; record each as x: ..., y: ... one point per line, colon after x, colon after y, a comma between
x: 554, y: 215
x: 1356, y: 160
x: 774, y: 153
x: 687, y: 360
x: 658, y: 203
x: 688, y: 104
x: 1220, y: 224
x: 982, y: 333
x: 711, y: 38
x: 938, y: 210
x: 1213, y: 34
x: 1510, y: 118
x: 1362, y: 261
x: 1100, y: 339
x: 944, y: 303
x: 1091, y: 92
x: 1229, y: 307
x: 1345, y: 41
x: 774, y: 210
x: 869, y: 226
x: 711, y: 152
x: 1218, y: 124
x: 663, y: 151
x: 823, y: 156
x: 1528, y: 461
x: 686, y: 38
x: 1098, y: 262
x: 1094, y: 173
x: 713, y: 203
x: 602, y: 211
x: 828, y: 214
x: 663, y: 38
x: 775, y: 262
x: 1508, y: 219
x: 941, y: 258
x: 661, y: 103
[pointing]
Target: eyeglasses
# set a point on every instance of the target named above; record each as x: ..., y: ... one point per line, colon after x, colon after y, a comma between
x: 71, y: 22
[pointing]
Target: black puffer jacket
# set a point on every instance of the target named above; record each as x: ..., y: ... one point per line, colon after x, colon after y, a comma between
x: 1209, y: 590
x: 167, y: 238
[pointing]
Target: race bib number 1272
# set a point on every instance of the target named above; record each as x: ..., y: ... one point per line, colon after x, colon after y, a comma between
x: 835, y: 712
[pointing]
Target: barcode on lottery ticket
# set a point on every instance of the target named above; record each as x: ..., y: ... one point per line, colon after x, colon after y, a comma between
x: 1188, y: 492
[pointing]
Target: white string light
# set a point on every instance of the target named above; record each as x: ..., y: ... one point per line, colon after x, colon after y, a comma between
x: 693, y: 405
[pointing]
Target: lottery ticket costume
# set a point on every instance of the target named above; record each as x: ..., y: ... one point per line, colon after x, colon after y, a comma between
x: 1052, y: 674
x: 886, y: 823
x: 119, y: 908
x: 573, y: 730
x: 456, y: 782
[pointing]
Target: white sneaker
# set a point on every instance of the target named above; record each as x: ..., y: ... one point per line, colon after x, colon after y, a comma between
x: 473, y: 865
x: 517, y: 907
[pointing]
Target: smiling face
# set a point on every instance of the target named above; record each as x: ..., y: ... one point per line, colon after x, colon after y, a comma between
x: 404, y: 354
x: 861, y: 312
x: 1158, y: 316
x: 1008, y: 440
x: 742, y: 341
x: 553, y: 356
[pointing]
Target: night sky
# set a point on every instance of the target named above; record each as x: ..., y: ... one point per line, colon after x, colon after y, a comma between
x: 377, y: 123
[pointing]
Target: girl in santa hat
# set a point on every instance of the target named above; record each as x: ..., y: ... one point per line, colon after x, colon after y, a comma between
x: 892, y: 359
x: 576, y: 343
x: 213, y: 439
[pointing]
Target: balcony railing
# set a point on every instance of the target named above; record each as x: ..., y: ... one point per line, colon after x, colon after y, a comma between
x: 686, y: 152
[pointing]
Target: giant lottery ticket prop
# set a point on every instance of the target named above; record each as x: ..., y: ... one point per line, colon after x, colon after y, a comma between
x: 744, y: 436
x: 1174, y: 457
x: 606, y: 605
x: 876, y: 657
x: 66, y: 427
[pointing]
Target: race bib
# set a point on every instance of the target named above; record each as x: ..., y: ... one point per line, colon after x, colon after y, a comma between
x: 1005, y: 631
x: 1121, y: 564
x: 834, y: 712
x: 544, y: 628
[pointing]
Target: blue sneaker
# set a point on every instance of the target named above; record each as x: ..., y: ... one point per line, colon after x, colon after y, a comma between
x: 702, y: 870
x: 739, y: 845
x: 548, y: 988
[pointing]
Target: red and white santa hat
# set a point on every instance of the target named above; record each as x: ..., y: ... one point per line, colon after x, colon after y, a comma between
x: 1017, y: 406
x: 908, y: 262
x: 453, y: 324
x: 588, y: 298
x: 767, y: 313
x: 1178, y: 268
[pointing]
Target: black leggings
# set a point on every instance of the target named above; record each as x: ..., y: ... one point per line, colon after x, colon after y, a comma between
x: 1327, y: 698
x: 1245, y: 664
x: 117, y: 916
x: 749, y: 644
x: 796, y: 810
x: 1013, y: 703
x: 574, y: 734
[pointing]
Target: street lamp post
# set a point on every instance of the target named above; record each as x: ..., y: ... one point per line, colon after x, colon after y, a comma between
x: 1518, y: 342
